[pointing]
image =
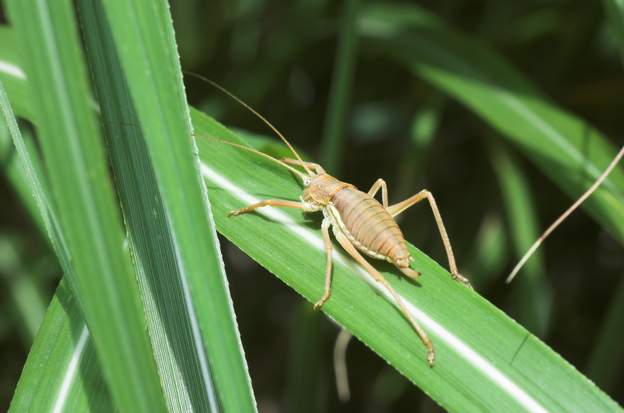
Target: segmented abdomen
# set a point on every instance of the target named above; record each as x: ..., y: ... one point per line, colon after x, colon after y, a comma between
x: 369, y: 226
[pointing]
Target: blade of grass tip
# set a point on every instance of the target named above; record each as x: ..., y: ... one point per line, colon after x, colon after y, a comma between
x: 143, y: 28
x: 103, y: 276
x: 340, y: 92
x: 531, y: 302
x: 607, y: 355
x: 564, y: 147
x: 486, y: 361
x: 615, y: 14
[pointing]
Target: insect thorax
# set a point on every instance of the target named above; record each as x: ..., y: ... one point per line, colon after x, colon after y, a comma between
x: 322, y: 188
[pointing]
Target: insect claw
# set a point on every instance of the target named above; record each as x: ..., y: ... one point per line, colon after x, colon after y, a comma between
x: 319, y: 303
x: 458, y: 277
x: 431, y: 357
x: 234, y: 212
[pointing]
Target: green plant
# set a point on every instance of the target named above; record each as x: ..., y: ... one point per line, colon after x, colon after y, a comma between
x: 118, y: 194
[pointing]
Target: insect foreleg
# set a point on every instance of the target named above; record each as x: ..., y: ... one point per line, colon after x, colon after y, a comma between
x: 396, y: 209
x: 270, y: 202
x: 328, y: 265
x: 380, y: 183
x: 348, y: 246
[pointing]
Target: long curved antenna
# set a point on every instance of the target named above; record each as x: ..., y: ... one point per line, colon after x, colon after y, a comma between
x: 252, y: 110
x: 563, y: 216
x: 248, y: 149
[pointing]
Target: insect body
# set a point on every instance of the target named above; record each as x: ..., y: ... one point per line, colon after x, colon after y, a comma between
x: 365, y: 222
x: 359, y: 222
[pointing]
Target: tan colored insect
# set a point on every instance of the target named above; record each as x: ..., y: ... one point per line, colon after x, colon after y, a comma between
x: 358, y: 221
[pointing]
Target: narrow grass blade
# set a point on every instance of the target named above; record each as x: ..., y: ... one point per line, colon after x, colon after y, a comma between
x: 170, y: 171
x: 532, y: 296
x: 564, y: 147
x: 27, y: 176
x: 61, y: 366
x: 103, y: 278
x: 344, y: 68
x: 62, y: 373
x: 172, y: 318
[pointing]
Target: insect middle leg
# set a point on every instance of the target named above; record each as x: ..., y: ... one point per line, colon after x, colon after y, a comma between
x: 397, y: 208
x: 348, y: 246
x: 380, y: 183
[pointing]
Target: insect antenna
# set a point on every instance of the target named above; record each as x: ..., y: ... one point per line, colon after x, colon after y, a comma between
x: 252, y: 110
x: 563, y: 216
x: 264, y: 155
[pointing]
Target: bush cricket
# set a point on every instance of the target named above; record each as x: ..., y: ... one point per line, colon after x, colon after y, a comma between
x: 360, y: 223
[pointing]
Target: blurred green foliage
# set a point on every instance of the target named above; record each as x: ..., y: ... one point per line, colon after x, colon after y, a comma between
x: 280, y: 57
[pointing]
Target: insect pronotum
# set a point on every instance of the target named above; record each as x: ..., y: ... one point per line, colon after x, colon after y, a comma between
x: 360, y: 223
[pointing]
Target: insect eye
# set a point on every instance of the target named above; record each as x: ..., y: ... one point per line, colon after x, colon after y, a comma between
x: 306, y: 181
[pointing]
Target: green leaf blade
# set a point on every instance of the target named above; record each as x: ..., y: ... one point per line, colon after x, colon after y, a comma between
x: 485, y: 361
x: 155, y: 88
x: 89, y: 220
